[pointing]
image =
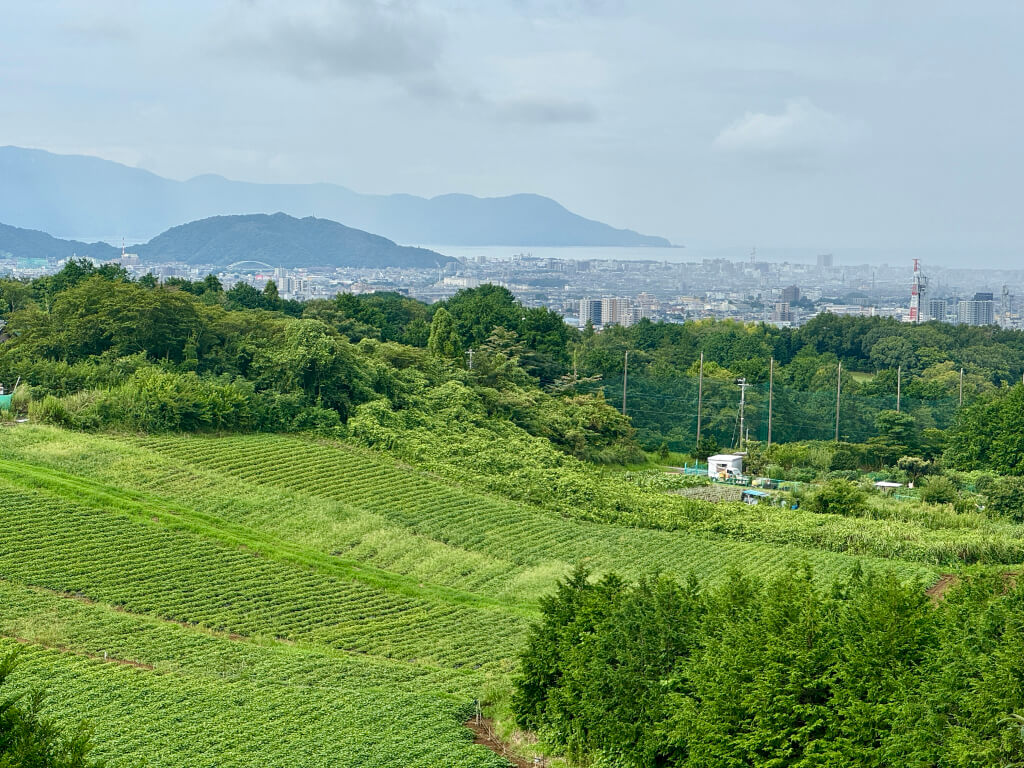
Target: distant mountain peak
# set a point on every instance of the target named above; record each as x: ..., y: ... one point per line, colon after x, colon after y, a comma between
x: 276, y: 239
x: 73, y: 196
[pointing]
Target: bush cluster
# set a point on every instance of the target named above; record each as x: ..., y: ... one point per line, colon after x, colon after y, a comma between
x: 865, y: 673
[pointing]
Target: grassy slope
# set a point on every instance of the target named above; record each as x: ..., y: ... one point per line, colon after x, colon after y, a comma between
x: 314, y: 600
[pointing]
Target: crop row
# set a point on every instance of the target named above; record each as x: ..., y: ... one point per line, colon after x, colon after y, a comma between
x: 175, y: 575
x: 96, y: 630
x: 480, y: 523
x: 144, y: 716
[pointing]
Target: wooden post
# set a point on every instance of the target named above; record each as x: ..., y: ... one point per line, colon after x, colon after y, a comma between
x: 899, y: 386
x: 625, y: 375
x: 700, y: 393
x: 839, y: 390
x: 771, y: 393
x: 743, y: 403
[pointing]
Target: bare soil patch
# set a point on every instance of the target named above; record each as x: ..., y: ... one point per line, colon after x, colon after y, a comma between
x: 485, y: 735
x: 939, y: 589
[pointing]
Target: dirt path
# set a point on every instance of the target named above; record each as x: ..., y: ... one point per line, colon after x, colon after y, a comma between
x: 484, y: 732
x: 939, y: 589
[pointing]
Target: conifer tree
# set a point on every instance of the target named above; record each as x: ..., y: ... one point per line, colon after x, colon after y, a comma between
x: 444, y: 340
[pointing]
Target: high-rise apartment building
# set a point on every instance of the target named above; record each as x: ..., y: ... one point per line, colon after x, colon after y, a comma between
x: 618, y: 311
x: 980, y: 310
x: 936, y: 310
x: 782, y: 313
x: 790, y: 294
x: 590, y: 311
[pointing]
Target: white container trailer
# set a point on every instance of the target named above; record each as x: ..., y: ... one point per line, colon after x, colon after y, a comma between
x: 724, y: 466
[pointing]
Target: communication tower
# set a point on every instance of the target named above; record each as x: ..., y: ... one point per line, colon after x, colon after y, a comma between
x: 917, y: 292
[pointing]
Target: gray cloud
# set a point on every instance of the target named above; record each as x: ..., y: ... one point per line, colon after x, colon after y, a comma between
x: 546, y: 111
x: 338, y: 39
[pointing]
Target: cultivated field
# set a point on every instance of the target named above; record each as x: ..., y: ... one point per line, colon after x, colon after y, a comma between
x: 272, y: 600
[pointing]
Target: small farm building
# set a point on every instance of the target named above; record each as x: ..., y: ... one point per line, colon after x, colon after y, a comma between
x: 725, y: 465
x: 885, y: 486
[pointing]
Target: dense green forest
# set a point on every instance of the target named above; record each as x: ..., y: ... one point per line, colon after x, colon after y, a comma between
x: 780, y: 672
x: 115, y: 350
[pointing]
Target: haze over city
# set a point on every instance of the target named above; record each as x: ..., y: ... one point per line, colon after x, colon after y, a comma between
x: 887, y: 131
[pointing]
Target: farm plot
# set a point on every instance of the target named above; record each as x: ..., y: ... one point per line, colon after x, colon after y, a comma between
x: 183, y: 720
x: 107, y: 556
x: 541, y: 545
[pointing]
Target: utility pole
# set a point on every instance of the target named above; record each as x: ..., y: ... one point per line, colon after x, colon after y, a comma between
x: 625, y: 376
x: 961, y: 386
x: 700, y: 393
x: 743, y: 402
x: 771, y: 393
x: 899, y: 386
x: 469, y: 353
x: 839, y: 390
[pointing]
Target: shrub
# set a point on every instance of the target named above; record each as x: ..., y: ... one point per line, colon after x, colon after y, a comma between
x: 49, y: 410
x: 820, y: 456
x: 658, y: 480
x: 984, y: 481
x: 837, y: 497
x: 802, y: 475
x: 21, y: 398
x: 789, y: 455
x: 939, y: 490
x: 1006, y: 497
x: 964, y: 504
x: 843, y: 459
x: 322, y: 421
x: 706, y: 446
x: 844, y: 474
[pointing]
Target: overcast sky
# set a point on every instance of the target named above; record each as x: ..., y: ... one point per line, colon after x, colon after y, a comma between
x: 777, y: 123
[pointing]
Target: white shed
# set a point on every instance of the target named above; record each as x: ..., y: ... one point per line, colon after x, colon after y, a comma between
x: 725, y: 465
x: 887, y: 487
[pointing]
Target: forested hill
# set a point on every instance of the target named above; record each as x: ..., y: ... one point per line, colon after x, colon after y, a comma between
x: 76, y: 196
x: 278, y: 240
x: 282, y: 241
x: 31, y: 244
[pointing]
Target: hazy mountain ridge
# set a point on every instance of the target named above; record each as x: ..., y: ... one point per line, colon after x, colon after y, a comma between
x: 32, y: 244
x: 278, y: 239
x: 72, y: 195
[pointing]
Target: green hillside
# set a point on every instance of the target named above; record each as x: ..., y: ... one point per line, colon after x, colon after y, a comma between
x: 241, y: 531
x: 220, y: 592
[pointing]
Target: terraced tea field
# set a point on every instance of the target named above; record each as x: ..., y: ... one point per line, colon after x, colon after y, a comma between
x: 278, y: 600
